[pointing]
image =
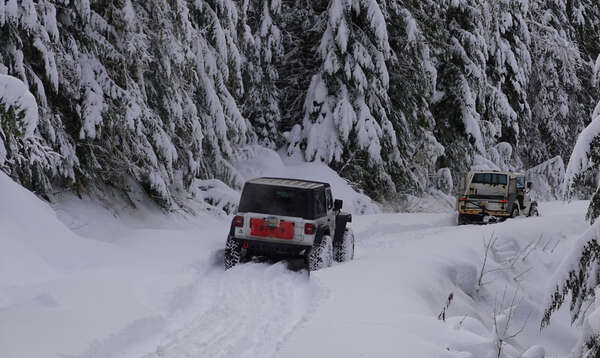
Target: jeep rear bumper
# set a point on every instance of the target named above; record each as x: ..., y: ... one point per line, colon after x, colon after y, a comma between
x: 252, y: 248
x: 483, y: 212
x: 479, y: 218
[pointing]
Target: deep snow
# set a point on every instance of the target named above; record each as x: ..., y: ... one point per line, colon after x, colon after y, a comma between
x: 81, y: 280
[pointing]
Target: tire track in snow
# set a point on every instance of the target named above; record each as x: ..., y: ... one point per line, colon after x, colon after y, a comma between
x: 244, y: 312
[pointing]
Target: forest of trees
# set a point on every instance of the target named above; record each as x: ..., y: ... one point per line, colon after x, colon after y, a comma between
x: 387, y: 93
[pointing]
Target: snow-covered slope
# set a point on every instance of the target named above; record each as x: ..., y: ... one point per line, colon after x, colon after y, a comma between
x: 389, y: 299
x: 106, y: 283
x: 62, y: 294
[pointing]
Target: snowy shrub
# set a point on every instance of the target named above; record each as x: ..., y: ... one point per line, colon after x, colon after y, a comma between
x: 216, y: 195
x: 443, y: 180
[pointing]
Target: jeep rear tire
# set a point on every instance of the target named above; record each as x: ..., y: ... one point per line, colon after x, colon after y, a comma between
x: 343, y: 250
x: 320, y: 254
x: 515, y: 212
x: 533, y: 210
x: 233, y: 253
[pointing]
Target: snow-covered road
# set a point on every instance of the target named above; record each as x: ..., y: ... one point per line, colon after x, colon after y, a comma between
x: 389, y: 299
x: 149, y: 288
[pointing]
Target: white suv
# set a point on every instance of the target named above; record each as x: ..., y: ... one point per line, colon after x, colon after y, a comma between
x: 281, y: 218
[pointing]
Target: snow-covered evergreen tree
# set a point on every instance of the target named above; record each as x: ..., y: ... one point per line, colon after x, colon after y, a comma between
x: 263, y: 48
x: 302, y: 25
x: 579, y: 279
x: 560, y: 92
x: 578, y: 282
x: 461, y: 86
x: 413, y: 77
x: 148, y: 90
x: 346, y: 120
x: 387, y: 93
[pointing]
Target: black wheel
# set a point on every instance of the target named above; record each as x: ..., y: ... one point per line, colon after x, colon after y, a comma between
x: 533, y: 210
x: 461, y: 220
x: 233, y: 253
x: 344, y: 249
x: 320, y: 254
x: 515, y: 212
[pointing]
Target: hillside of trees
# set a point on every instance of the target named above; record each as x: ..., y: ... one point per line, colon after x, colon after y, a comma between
x: 387, y: 93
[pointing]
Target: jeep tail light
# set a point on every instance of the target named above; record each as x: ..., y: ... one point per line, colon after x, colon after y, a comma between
x: 309, y: 229
x: 238, y: 221
x: 463, y: 199
x: 503, y: 201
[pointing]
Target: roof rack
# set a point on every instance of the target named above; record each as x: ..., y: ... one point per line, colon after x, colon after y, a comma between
x: 289, y: 182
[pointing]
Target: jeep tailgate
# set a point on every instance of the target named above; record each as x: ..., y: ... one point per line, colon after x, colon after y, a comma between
x: 281, y: 230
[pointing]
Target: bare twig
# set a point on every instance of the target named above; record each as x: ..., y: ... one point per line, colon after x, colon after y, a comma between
x: 488, y: 245
x: 442, y: 315
x: 503, y: 333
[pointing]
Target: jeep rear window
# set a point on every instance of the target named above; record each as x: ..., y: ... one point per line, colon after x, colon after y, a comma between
x: 489, y: 178
x: 275, y: 200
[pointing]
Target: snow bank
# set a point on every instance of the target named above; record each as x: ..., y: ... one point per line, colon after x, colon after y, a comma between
x: 547, y: 179
x: 91, y: 296
x: 388, y: 301
x: 14, y: 93
x: 35, y: 246
x: 258, y: 161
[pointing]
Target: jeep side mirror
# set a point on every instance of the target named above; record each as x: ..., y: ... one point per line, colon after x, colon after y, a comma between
x: 337, y: 205
x: 528, y: 185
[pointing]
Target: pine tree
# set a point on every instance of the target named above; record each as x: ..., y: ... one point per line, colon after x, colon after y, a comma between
x: 302, y: 25
x: 146, y: 90
x: 461, y: 87
x: 580, y: 275
x: 346, y: 110
x: 413, y: 77
x: 263, y: 48
x: 559, y: 93
x: 508, y: 69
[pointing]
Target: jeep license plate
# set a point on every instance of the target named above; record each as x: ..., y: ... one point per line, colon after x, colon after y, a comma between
x: 272, y: 222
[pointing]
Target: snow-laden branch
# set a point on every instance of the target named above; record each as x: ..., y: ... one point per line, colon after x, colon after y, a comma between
x: 14, y: 93
x: 580, y: 159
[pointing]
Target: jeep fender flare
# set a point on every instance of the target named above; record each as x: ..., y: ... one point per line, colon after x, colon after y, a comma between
x: 321, y: 231
x: 341, y: 220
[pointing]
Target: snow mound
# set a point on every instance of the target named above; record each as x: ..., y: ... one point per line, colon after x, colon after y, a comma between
x: 546, y: 179
x: 35, y: 245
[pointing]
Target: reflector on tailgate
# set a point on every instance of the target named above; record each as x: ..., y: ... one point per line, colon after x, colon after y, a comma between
x: 259, y: 227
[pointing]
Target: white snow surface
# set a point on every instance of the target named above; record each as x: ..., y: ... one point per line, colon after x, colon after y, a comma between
x: 81, y: 280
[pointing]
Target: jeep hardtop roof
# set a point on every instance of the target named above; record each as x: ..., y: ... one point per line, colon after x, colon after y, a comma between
x: 281, y: 196
x: 292, y: 183
x: 510, y: 174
